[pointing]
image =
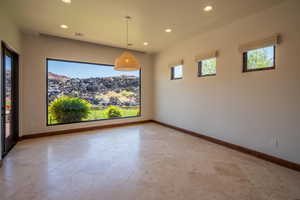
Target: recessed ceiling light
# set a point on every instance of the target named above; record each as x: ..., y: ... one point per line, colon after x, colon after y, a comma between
x: 168, y: 30
x: 67, y: 1
x: 64, y: 26
x: 146, y: 43
x: 208, y: 8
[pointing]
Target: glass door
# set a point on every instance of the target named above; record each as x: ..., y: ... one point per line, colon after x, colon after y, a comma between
x: 9, y: 99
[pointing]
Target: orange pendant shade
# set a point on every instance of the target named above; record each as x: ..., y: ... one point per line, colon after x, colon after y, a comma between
x: 126, y: 62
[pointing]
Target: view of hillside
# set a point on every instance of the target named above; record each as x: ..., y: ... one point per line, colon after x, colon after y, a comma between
x: 121, y: 91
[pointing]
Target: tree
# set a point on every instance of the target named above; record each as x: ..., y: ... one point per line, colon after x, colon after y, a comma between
x: 259, y: 59
x: 209, y: 66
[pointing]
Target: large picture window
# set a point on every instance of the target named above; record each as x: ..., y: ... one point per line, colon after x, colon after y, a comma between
x: 80, y: 92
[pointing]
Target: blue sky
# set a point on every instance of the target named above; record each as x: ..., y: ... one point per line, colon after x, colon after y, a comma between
x: 8, y: 63
x: 82, y: 70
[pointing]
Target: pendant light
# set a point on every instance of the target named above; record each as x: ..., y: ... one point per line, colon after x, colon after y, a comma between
x: 127, y: 61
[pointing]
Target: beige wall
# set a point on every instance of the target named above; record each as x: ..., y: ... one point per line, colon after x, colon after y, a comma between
x: 249, y: 109
x: 33, y: 78
x: 9, y: 33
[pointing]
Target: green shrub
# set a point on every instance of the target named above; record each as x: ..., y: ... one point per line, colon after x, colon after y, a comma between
x: 69, y: 109
x: 113, y: 112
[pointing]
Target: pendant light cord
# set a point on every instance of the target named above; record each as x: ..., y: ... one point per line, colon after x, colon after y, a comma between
x: 127, y: 21
x: 127, y: 30
x: 127, y: 33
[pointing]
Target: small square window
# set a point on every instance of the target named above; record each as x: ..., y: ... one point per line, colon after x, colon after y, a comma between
x: 176, y: 72
x: 259, y: 59
x: 207, y: 67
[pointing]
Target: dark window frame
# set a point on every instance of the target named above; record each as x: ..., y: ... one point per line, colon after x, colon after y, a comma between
x: 5, y: 48
x: 200, y: 70
x: 82, y: 62
x: 245, y: 61
x: 173, y: 72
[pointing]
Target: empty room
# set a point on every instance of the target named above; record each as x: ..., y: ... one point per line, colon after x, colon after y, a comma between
x: 150, y: 100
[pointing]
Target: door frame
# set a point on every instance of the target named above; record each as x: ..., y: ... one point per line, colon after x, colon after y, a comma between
x: 15, y: 100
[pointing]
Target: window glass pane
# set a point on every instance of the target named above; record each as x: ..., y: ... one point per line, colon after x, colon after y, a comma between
x: 178, y: 73
x: 84, y: 92
x: 260, y: 58
x: 8, y: 97
x: 209, y: 66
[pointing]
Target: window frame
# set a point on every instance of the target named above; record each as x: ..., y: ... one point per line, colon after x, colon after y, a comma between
x: 245, y: 60
x: 83, y: 62
x: 173, y: 72
x: 200, y: 68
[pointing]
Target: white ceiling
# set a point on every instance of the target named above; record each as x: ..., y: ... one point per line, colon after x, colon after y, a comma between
x: 101, y: 21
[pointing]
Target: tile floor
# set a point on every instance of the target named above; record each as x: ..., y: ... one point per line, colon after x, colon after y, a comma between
x: 142, y: 162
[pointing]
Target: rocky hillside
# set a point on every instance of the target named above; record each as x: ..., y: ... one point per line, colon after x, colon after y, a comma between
x: 57, y: 77
x: 119, y: 90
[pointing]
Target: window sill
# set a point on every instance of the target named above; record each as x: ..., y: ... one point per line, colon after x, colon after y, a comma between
x: 260, y: 69
x: 96, y: 120
x: 206, y: 75
x: 175, y: 79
